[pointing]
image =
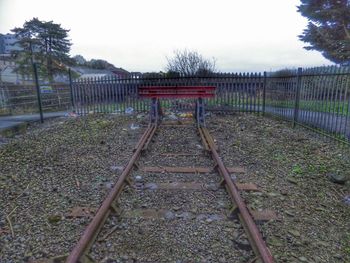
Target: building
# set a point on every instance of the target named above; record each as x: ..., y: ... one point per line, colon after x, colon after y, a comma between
x: 121, y: 73
x: 136, y: 75
x: 86, y: 73
x: 7, y: 71
x: 2, y: 44
x: 8, y: 43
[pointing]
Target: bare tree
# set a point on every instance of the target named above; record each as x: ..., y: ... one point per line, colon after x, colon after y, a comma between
x: 190, y: 63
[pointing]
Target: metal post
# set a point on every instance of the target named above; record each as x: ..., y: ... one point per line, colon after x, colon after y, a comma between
x: 200, y: 113
x: 71, y: 87
x: 154, y: 110
x: 264, y: 93
x: 297, y: 97
x: 38, y: 92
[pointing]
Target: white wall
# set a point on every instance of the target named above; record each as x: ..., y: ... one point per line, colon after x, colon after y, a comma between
x: 9, y: 40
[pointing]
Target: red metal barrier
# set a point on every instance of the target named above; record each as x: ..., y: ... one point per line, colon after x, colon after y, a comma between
x: 175, y: 92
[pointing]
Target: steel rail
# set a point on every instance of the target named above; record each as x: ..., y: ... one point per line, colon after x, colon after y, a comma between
x: 102, y: 213
x: 255, y: 238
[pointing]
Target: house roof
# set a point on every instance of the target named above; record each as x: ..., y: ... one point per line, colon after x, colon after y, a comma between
x: 92, y: 73
x: 120, y: 71
x: 84, y: 70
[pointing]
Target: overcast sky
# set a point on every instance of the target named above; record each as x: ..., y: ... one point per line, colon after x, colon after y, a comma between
x: 137, y: 35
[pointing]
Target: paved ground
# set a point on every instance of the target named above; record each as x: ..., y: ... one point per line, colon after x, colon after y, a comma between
x: 8, y: 122
x: 326, y: 121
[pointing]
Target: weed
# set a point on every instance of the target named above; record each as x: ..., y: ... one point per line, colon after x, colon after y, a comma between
x: 279, y: 157
x: 297, y: 170
x: 322, y: 168
x: 347, y: 246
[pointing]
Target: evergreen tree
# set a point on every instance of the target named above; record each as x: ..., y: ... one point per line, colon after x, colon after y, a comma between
x: 45, y: 43
x: 328, y: 30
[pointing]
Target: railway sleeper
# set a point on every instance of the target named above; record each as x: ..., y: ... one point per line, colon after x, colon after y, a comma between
x: 245, y: 216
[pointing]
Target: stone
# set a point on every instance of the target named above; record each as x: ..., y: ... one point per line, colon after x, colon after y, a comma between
x: 243, y: 244
x: 272, y: 194
x: 138, y: 178
x: 52, y: 219
x: 284, y: 192
x: 169, y: 215
x: 109, y: 185
x: 303, y: 259
x: 116, y: 168
x: 176, y: 208
x: 347, y: 200
x: 289, y: 213
x: 273, y: 241
x: 292, y: 180
x: 151, y: 186
x: 322, y: 243
x: 209, y: 220
x: 295, y: 233
x: 337, y: 178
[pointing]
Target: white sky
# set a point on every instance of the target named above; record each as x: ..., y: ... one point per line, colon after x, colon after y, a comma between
x: 137, y: 35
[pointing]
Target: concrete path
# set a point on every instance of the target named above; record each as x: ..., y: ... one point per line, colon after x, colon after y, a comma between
x: 9, y: 122
x: 323, y: 120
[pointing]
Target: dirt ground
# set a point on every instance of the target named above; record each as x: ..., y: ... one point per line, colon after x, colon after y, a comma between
x: 73, y: 162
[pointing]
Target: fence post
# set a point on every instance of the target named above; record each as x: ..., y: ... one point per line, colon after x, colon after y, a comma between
x: 38, y: 92
x: 71, y: 87
x: 297, y: 97
x: 264, y: 93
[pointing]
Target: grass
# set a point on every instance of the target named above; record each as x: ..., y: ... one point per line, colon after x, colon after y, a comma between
x: 337, y: 107
x: 320, y: 168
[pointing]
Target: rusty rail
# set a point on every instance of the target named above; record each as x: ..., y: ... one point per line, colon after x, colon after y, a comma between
x: 89, y: 235
x: 255, y: 238
x: 102, y: 213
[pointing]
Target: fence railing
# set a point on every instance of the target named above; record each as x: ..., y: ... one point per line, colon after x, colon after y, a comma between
x: 18, y: 99
x: 317, y: 98
x: 234, y: 92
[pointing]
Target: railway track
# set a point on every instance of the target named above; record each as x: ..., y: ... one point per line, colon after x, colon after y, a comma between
x: 176, y: 203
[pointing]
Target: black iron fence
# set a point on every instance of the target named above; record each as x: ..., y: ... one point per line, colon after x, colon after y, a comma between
x: 32, y: 96
x: 235, y: 92
x: 16, y: 99
x: 317, y: 98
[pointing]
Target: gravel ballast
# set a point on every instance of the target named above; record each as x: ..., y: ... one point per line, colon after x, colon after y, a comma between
x: 70, y: 163
x: 49, y: 171
x: 293, y: 167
